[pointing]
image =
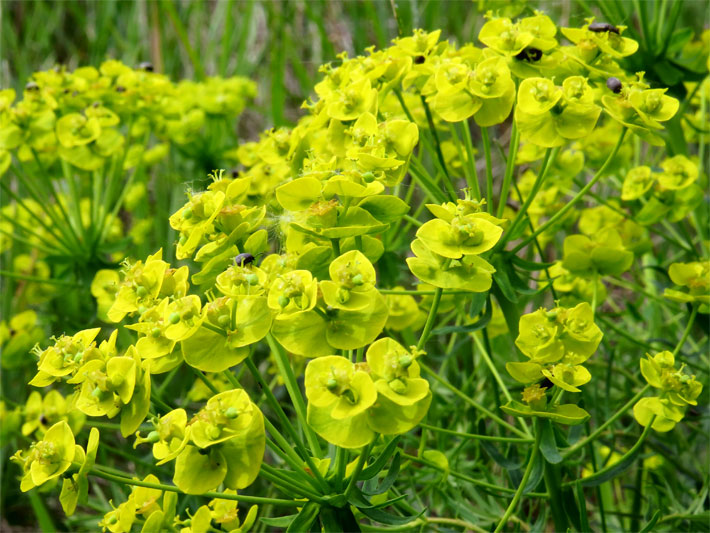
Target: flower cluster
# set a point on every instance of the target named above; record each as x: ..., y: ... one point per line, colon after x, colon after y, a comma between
x: 557, y: 342
x: 695, y: 277
x: 348, y: 403
x: 675, y: 193
x: 677, y: 391
x: 222, y: 443
x: 77, y: 116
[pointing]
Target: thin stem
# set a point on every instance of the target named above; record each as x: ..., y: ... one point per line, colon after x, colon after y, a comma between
x: 496, y: 376
x: 430, y: 319
x: 471, y: 401
x: 37, y: 279
x: 210, y: 495
x: 471, y: 480
x: 437, y: 147
x: 509, y: 169
x: 550, y: 155
x: 631, y: 451
x: 294, y: 392
x: 475, y: 187
x: 489, y: 166
x: 526, y: 476
x: 358, y: 468
x: 577, y: 197
x: 691, y: 321
x: 592, y: 436
x: 276, y: 406
x: 475, y: 436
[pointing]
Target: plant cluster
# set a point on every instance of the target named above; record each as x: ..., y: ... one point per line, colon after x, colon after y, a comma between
x: 332, y: 299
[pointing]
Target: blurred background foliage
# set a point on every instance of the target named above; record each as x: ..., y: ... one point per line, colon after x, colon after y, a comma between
x: 281, y: 44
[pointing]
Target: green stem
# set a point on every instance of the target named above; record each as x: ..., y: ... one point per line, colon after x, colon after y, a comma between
x: 358, y: 468
x: 294, y: 392
x: 526, y: 476
x: 475, y: 436
x: 430, y: 319
x: 471, y: 401
x: 496, y: 376
x: 632, y: 450
x: 277, y: 477
x: 550, y: 155
x: 552, y: 483
x: 509, y: 169
x: 580, y: 444
x: 276, y: 406
x: 475, y: 187
x: 37, y: 279
x: 439, y: 153
x: 691, y: 321
x: 469, y: 479
x: 489, y: 167
x: 209, y: 495
x: 577, y: 197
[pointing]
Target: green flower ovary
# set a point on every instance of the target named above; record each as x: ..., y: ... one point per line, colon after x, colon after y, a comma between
x: 467, y: 232
x: 46, y: 453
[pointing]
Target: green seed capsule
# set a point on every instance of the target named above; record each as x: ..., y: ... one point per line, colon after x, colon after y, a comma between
x: 96, y: 393
x: 155, y: 333
x: 283, y: 301
x: 223, y: 320
x: 405, y: 361
x: 153, y: 436
x: 368, y: 177
x: 331, y: 384
x: 187, y: 214
x: 357, y: 279
x: 141, y: 291
x: 252, y: 279
x: 174, y: 317
x: 231, y: 412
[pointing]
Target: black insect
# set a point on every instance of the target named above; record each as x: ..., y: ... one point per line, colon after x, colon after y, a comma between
x: 43, y: 420
x: 419, y: 60
x: 146, y: 65
x: 529, y: 54
x: 235, y: 173
x: 31, y: 86
x: 546, y: 384
x: 614, y: 85
x: 243, y: 259
x: 120, y: 89
x: 601, y: 27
